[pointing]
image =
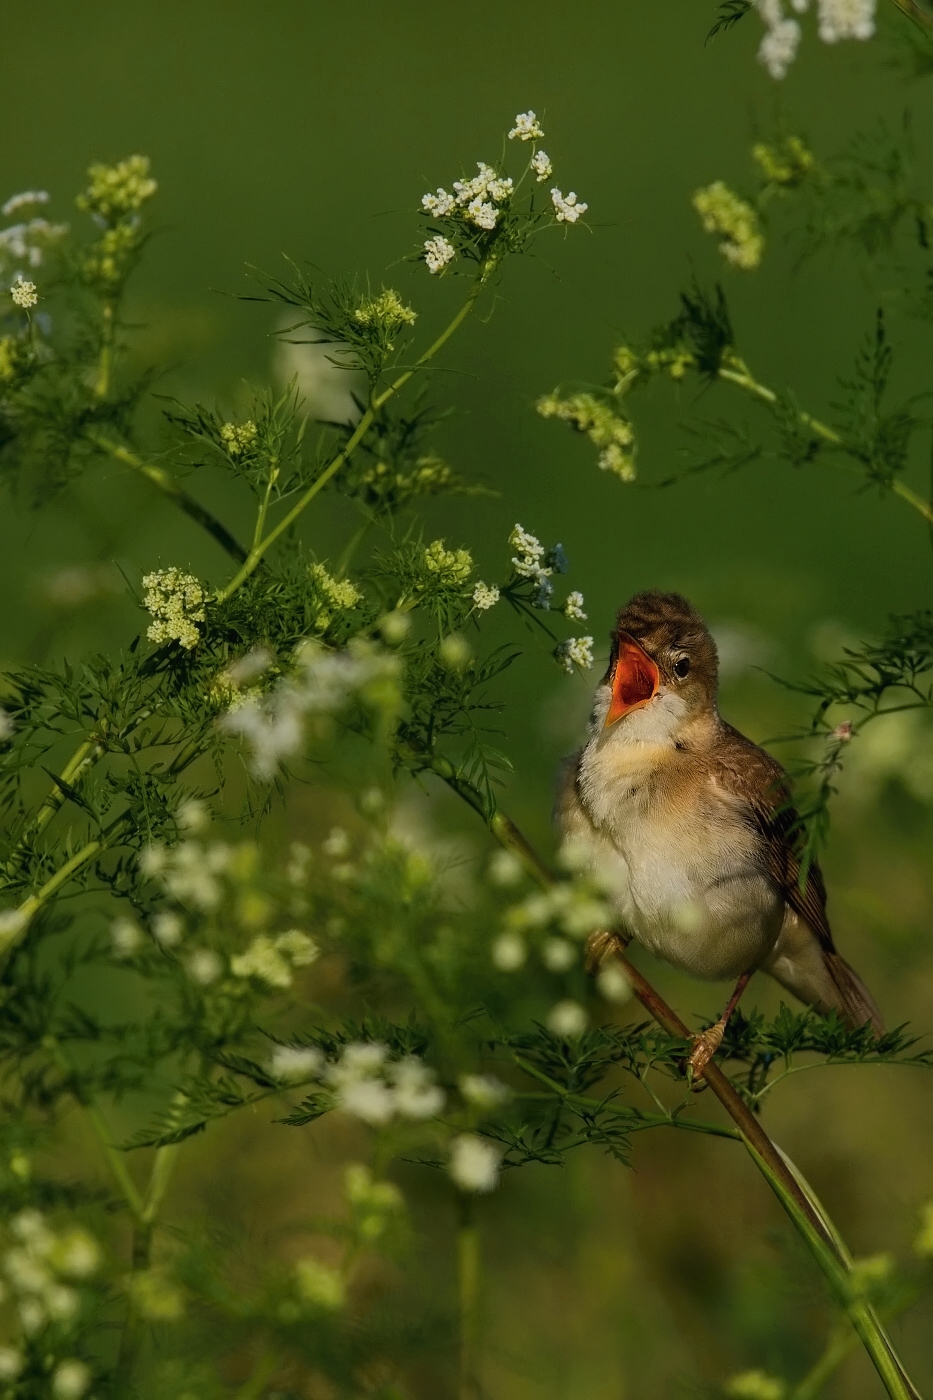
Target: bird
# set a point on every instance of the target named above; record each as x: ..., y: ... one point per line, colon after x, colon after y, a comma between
x: 691, y: 829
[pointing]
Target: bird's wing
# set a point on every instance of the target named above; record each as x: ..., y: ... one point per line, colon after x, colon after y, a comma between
x: 748, y: 773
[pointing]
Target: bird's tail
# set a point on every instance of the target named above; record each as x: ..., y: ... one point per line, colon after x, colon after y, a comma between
x: 821, y: 978
x: 855, y: 1003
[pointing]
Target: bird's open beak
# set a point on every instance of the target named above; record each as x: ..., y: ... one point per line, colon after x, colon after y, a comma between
x: 635, y: 679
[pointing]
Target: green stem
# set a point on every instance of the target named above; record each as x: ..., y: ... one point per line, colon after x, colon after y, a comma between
x: 167, y: 484
x: 257, y: 553
x: 468, y: 1296
x: 916, y: 12
x: 30, y: 907
x: 837, y: 1271
x: 740, y: 375
x: 116, y: 1161
x: 105, y: 365
x: 262, y: 1373
x: 163, y: 1166
x: 795, y: 1196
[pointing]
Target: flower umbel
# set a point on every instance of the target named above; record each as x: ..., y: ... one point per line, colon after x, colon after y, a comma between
x: 24, y: 293
x: 526, y: 128
x: 567, y: 208
x: 576, y: 651
x: 438, y: 252
x: 722, y: 211
x: 177, y: 603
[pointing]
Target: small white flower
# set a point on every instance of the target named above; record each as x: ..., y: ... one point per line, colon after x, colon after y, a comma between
x: 24, y: 293
x: 509, y: 952
x: 416, y: 1094
x: 70, y: 1379
x: 440, y: 204
x: 76, y: 1253
x: 336, y: 844
x: 576, y: 651
x: 528, y: 551
x: 438, y: 252
x: 573, y: 608
x: 567, y: 1019
x: 32, y: 1315
x: 474, y: 1163
x: 485, y: 596
x: 167, y: 929
x: 482, y: 213
x: 613, y: 983
x: 504, y: 869
x: 368, y: 1099
x: 29, y: 199
x: 778, y: 48
x: 558, y: 955
x: 483, y: 1090
x: 294, y: 1062
x: 567, y: 208
x: 61, y: 1302
x: 204, y: 966
x: 541, y: 165
x: 526, y: 128
x: 846, y: 19
x: 125, y: 937
x: 7, y: 726
x: 11, y: 1363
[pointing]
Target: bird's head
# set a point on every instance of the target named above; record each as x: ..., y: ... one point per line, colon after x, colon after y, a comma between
x: 663, y: 668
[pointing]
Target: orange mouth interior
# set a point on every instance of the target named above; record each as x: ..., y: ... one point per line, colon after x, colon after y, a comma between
x: 635, y: 679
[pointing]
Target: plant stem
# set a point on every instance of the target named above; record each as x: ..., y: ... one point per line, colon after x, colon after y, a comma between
x: 115, y: 1158
x: 798, y: 1199
x: 256, y: 554
x: 167, y: 484
x: 105, y: 364
x: 29, y: 907
x: 468, y: 1274
x: 737, y: 372
x: 915, y: 11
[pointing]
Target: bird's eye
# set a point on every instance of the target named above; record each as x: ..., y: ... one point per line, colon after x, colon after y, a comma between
x: 681, y: 667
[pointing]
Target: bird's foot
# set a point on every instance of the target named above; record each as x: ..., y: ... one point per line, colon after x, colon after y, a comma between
x: 705, y: 1046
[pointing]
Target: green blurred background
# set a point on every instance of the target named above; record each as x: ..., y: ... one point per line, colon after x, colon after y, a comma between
x: 311, y: 130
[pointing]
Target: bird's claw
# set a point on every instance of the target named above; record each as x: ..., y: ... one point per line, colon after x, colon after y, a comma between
x: 705, y: 1046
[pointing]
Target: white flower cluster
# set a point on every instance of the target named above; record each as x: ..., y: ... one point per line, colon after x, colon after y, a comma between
x: 573, y: 608
x: 836, y: 19
x: 272, y: 958
x: 369, y: 1085
x: 474, y: 1163
x: 529, y: 552
x: 40, y: 1269
x: 176, y: 601
x: 571, y: 907
x: 24, y: 293
x: 438, y: 252
x: 28, y: 199
x: 190, y: 872
x: 526, y: 128
x: 541, y: 165
x: 567, y: 208
x: 845, y: 19
x: 485, y: 596
x: 576, y: 651
x: 322, y: 683
x: 25, y: 244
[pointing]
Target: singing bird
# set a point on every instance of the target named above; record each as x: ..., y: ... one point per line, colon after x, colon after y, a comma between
x: 690, y: 825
